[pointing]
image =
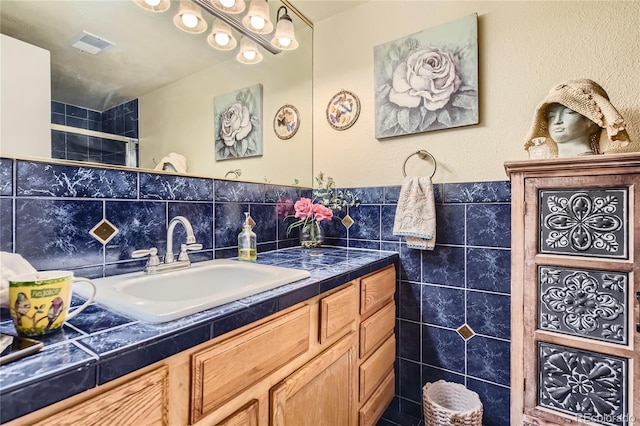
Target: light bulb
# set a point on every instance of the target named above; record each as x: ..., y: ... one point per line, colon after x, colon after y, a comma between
x: 249, y: 55
x: 221, y: 38
x: 152, y: 3
x: 284, y: 41
x: 189, y: 21
x: 257, y: 22
x: 228, y: 3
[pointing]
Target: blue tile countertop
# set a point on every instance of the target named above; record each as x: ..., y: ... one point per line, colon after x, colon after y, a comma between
x: 100, y: 345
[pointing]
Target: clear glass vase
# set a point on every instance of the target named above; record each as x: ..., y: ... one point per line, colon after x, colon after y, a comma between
x: 311, y: 235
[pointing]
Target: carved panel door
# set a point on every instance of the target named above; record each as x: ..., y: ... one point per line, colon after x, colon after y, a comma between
x: 579, y: 299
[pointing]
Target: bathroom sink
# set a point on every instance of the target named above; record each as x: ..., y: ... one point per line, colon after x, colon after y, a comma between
x: 173, y: 295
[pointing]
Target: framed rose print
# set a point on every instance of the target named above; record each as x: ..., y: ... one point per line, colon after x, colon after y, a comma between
x: 286, y: 122
x: 343, y: 110
x: 238, y: 123
x: 428, y: 80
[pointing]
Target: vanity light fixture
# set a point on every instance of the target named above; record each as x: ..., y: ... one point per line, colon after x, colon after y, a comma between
x: 284, y: 37
x: 257, y: 18
x: 189, y: 18
x: 221, y: 37
x: 249, y: 53
x: 229, y: 6
x: 154, y: 5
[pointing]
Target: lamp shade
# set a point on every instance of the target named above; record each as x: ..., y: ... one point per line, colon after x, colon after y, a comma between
x: 284, y: 38
x: 229, y: 6
x: 154, y: 5
x: 257, y: 18
x: 249, y: 53
x: 189, y: 18
x: 221, y: 32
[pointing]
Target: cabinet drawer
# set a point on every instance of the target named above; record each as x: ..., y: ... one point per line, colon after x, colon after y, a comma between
x: 222, y: 371
x: 376, y: 328
x: 376, y: 290
x: 376, y: 368
x: 337, y: 312
x: 141, y: 401
x: 371, y: 412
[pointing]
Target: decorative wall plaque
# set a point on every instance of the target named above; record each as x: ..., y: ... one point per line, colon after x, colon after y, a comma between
x: 589, y: 386
x: 588, y: 223
x: 585, y: 303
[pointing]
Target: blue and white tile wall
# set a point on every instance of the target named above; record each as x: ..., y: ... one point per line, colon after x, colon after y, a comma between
x: 120, y: 120
x: 47, y: 211
x: 464, y: 281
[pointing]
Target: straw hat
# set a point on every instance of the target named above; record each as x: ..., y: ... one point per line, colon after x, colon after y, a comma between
x: 587, y: 98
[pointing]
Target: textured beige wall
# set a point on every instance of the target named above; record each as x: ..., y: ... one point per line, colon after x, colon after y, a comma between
x: 525, y: 48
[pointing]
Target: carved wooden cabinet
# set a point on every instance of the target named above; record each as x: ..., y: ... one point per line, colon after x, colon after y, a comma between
x: 575, y: 284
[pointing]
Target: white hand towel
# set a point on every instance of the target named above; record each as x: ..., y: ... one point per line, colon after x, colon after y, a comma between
x: 173, y: 162
x: 11, y: 265
x: 416, y: 213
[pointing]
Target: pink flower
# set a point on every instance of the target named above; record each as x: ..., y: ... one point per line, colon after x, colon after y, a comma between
x: 321, y: 212
x: 304, y: 208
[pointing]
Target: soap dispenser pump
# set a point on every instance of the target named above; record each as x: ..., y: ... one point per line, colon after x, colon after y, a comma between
x: 247, y: 242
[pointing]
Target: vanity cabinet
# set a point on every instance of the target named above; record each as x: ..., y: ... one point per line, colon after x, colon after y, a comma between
x: 326, y: 361
x: 377, y: 345
x: 575, y: 290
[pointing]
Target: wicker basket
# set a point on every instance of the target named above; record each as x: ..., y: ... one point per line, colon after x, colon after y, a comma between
x: 448, y: 403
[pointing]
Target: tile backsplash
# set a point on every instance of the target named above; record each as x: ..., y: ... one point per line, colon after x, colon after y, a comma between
x: 48, y: 210
x: 453, y: 315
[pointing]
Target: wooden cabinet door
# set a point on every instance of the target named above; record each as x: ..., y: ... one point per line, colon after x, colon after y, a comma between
x: 321, y: 393
x: 141, y: 401
x: 580, y: 270
x: 227, y: 368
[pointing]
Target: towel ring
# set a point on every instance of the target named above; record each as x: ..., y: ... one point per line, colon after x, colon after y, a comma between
x: 422, y: 154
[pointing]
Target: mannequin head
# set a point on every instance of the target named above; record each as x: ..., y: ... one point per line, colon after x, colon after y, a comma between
x: 573, y: 133
x: 577, y: 118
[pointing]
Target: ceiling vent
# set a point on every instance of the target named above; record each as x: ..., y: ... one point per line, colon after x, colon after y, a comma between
x: 90, y: 43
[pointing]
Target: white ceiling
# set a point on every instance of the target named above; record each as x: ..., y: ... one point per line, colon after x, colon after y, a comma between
x: 144, y: 57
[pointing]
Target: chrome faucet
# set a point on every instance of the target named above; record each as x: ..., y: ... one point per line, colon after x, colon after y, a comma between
x: 191, y: 239
x: 154, y: 266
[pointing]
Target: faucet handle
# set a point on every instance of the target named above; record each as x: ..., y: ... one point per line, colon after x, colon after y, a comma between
x: 154, y: 260
x: 183, y: 250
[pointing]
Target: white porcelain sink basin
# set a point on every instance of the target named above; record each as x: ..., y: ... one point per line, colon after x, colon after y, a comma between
x: 172, y: 295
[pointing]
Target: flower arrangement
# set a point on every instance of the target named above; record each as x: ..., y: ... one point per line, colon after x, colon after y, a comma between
x: 326, y: 199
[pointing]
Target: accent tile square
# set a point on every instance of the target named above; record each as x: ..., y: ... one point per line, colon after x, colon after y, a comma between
x: 465, y: 332
x: 104, y: 231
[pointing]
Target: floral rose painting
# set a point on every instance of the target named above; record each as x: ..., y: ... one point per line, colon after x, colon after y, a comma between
x: 427, y: 81
x: 238, y: 123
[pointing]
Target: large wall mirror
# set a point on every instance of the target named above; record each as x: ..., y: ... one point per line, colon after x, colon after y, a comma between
x: 175, y: 77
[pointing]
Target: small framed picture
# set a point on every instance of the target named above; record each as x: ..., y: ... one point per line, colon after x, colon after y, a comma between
x: 286, y: 122
x: 343, y: 110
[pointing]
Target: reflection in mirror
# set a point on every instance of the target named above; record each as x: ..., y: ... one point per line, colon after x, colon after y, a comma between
x: 154, y: 86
